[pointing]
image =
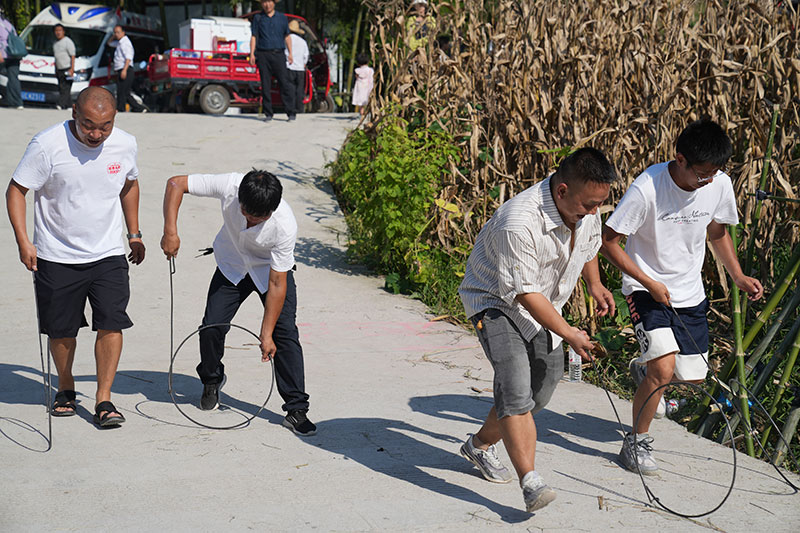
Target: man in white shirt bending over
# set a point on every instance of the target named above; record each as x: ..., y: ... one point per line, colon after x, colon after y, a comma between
x: 123, y: 66
x: 84, y: 175
x: 254, y: 251
x: 666, y: 214
x: 297, y: 66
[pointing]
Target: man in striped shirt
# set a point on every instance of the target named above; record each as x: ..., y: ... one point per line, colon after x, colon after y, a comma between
x: 525, y: 264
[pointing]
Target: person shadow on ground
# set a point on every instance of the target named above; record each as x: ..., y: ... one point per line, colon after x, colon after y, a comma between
x: 386, y: 446
x: 552, y: 427
x: 389, y: 447
x: 22, y: 385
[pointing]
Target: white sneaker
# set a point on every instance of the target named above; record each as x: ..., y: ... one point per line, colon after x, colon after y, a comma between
x: 639, y: 454
x: 536, y: 492
x: 487, y: 462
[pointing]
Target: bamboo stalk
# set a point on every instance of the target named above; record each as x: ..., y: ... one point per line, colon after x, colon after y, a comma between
x: 703, y: 422
x: 748, y: 268
x: 787, y: 372
x: 777, y: 324
x: 725, y: 373
x: 773, y: 301
x: 769, y: 369
x: 789, y: 431
x: 786, y: 278
x: 739, y: 353
x: 761, y: 380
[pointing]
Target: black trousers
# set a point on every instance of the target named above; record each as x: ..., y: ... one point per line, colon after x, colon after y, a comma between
x: 224, y: 299
x: 124, y: 91
x: 297, y: 82
x: 273, y: 63
x: 64, y: 88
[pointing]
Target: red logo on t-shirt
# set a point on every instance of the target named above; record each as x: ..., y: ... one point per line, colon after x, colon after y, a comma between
x: 114, y: 168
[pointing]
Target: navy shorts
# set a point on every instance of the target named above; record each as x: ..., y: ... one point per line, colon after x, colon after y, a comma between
x: 660, y: 332
x: 62, y: 290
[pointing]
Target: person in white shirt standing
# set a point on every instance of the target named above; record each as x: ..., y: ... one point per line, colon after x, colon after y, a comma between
x: 526, y: 262
x: 254, y: 251
x: 123, y: 66
x: 64, y: 54
x: 297, y: 67
x: 84, y: 175
x: 666, y: 214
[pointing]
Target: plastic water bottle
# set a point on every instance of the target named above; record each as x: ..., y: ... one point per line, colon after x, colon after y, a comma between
x: 575, y: 369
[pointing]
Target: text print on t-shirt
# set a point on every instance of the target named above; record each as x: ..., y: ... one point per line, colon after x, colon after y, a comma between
x: 690, y: 218
x: 114, y: 168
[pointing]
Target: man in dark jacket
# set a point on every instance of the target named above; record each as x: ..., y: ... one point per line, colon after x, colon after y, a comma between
x: 270, y: 37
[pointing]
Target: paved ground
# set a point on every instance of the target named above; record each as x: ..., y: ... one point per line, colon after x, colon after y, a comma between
x: 393, y: 393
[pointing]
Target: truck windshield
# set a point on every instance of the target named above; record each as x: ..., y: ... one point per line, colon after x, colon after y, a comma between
x: 39, y: 40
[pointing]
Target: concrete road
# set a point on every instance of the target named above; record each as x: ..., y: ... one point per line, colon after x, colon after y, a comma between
x: 394, y: 394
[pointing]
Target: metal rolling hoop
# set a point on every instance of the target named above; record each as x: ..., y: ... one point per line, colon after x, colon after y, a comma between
x: 174, y: 354
x: 726, y: 389
x: 650, y: 495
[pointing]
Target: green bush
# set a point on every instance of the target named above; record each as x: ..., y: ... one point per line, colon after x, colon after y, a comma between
x: 387, y: 180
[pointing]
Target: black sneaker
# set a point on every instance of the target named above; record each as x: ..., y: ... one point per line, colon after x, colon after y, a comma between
x: 210, y: 398
x: 298, y: 422
x: 292, y: 117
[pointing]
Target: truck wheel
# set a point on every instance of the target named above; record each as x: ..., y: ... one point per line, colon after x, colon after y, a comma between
x: 326, y: 105
x: 214, y: 99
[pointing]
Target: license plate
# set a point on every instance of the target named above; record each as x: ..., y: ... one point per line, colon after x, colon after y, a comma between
x: 32, y: 96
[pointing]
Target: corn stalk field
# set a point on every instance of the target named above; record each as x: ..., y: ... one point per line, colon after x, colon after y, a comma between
x: 518, y: 81
x: 516, y: 85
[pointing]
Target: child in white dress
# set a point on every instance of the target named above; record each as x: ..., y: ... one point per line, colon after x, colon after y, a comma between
x: 364, y: 83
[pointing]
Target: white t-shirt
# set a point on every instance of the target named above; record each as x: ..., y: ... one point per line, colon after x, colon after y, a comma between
x: 299, y: 53
x: 240, y: 250
x: 63, y: 52
x: 666, y: 229
x: 77, y: 214
x: 124, y: 50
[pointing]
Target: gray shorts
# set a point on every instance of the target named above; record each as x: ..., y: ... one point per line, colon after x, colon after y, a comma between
x: 525, y: 373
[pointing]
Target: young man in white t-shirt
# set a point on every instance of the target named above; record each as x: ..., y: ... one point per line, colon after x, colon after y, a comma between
x: 84, y: 175
x: 254, y: 251
x: 123, y: 66
x: 296, y: 69
x: 666, y: 215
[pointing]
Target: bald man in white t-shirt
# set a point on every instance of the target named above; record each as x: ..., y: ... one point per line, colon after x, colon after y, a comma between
x: 84, y: 176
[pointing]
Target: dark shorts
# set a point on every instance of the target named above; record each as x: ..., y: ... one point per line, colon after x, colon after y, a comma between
x: 660, y: 332
x: 62, y: 290
x: 525, y: 372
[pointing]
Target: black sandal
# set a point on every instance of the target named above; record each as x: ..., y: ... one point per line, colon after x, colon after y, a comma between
x: 110, y: 416
x: 64, y: 399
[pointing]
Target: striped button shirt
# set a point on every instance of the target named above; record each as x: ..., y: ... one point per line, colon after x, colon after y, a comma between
x: 525, y: 248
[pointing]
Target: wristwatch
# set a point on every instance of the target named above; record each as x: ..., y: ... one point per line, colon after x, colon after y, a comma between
x: 135, y: 235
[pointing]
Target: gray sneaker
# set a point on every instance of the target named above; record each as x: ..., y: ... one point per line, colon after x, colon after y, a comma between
x: 642, y: 455
x: 638, y: 373
x: 537, y: 493
x: 486, y: 461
